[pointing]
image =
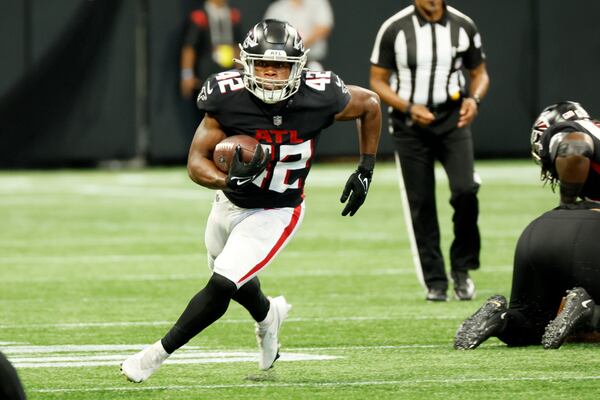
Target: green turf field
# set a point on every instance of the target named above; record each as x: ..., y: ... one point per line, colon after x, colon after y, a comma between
x: 96, y: 264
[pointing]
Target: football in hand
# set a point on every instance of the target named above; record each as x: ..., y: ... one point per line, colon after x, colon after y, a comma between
x: 225, y: 150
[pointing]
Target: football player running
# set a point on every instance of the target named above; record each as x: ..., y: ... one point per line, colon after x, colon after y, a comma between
x: 259, y: 205
x: 557, y: 252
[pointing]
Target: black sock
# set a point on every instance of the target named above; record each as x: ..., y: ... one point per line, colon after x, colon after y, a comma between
x: 204, y: 308
x: 252, y: 299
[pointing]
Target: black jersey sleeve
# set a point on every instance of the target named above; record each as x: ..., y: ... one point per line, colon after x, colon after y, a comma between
x: 238, y: 32
x: 340, y: 94
x: 196, y: 26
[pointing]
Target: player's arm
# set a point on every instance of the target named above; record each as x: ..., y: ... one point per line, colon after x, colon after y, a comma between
x: 380, y: 84
x: 364, y: 107
x: 572, y: 164
x: 203, y: 170
x: 201, y: 167
x: 189, y: 82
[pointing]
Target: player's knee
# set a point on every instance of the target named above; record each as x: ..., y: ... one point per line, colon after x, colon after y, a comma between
x: 218, y: 284
x: 253, y: 285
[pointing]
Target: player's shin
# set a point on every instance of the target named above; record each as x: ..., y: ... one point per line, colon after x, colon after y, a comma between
x: 204, y: 308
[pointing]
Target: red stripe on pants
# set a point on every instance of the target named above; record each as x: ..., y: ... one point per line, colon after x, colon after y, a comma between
x: 286, y: 233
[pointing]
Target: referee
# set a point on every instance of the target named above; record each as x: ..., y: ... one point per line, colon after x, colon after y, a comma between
x: 416, y: 68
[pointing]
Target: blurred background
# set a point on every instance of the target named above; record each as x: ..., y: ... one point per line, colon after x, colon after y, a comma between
x: 87, y: 82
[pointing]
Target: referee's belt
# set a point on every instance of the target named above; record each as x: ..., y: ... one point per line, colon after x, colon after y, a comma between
x: 443, y: 107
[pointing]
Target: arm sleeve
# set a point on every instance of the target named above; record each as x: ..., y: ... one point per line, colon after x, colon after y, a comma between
x: 192, y: 33
x: 383, y: 54
x: 474, y: 55
x: 195, y: 23
x: 238, y: 34
x: 339, y: 93
x: 208, y: 98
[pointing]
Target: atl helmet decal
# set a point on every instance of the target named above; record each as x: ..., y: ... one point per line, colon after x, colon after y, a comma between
x: 298, y: 42
x: 541, y: 125
x: 250, y: 40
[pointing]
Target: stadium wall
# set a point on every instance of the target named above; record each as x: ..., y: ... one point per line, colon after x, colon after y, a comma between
x: 88, y: 81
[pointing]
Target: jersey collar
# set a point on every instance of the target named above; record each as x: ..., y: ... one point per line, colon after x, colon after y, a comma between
x: 424, y: 21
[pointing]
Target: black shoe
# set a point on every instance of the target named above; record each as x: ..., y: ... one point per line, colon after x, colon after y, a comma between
x: 435, y: 294
x: 487, y: 321
x: 577, y: 311
x: 464, y: 288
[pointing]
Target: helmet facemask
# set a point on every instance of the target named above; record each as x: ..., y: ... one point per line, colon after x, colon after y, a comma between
x: 273, y: 41
x: 540, y: 125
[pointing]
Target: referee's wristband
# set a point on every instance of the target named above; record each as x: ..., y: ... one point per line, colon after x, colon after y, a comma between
x: 476, y: 99
x: 187, y: 73
x: 408, y: 109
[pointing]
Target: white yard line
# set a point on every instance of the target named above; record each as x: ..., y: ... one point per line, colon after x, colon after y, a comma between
x: 203, y: 271
x: 115, y: 360
x: 24, y: 350
x: 406, y: 383
x: 80, y: 325
x: 69, y: 356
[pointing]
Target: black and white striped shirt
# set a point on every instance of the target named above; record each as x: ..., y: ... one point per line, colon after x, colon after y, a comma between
x: 427, y: 57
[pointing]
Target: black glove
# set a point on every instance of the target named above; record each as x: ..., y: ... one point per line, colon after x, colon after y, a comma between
x: 242, y: 174
x: 357, y: 188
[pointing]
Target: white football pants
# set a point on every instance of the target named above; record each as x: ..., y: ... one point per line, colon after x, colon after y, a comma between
x: 241, y: 242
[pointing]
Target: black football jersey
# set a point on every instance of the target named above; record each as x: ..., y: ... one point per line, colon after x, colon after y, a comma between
x: 552, y: 137
x: 289, y: 129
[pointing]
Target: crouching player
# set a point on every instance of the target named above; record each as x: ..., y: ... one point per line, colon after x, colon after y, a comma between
x: 558, y: 251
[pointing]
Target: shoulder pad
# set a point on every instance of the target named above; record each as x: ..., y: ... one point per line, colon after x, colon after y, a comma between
x: 217, y: 88
x: 323, y: 81
x: 326, y: 90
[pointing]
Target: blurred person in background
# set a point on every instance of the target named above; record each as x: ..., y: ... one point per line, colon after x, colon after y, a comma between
x: 259, y: 205
x: 558, y: 251
x: 209, y: 45
x: 416, y: 68
x: 10, y: 385
x: 314, y: 21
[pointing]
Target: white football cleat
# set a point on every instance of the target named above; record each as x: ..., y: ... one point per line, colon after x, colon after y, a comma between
x: 142, y: 365
x: 268, y: 336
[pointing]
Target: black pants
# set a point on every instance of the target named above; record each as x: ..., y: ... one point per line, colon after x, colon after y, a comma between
x: 10, y: 385
x: 556, y: 252
x: 418, y: 149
